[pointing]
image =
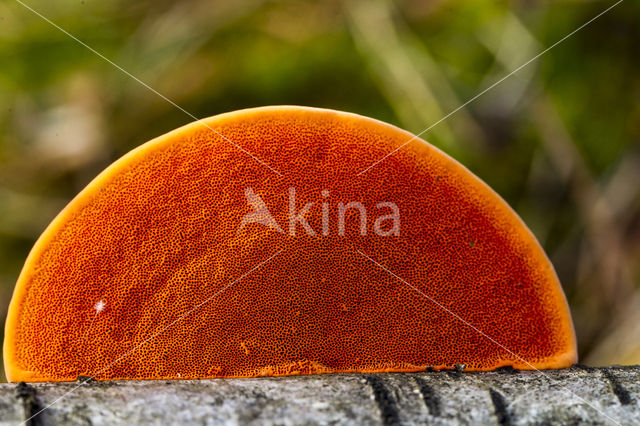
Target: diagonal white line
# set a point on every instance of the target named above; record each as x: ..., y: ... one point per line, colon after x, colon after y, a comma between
x: 490, y: 87
x: 174, y: 322
x: 147, y: 86
x: 467, y: 323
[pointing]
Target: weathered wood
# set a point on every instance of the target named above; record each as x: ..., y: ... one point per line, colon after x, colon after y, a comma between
x: 503, y: 397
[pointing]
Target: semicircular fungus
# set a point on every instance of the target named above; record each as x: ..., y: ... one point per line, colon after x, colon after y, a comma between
x: 252, y: 243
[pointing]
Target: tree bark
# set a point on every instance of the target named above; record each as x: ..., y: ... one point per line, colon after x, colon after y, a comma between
x: 505, y: 397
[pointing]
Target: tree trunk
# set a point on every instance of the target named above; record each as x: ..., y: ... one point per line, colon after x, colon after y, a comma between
x: 572, y: 396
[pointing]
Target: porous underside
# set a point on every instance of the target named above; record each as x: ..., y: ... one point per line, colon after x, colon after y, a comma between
x: 156, y: 238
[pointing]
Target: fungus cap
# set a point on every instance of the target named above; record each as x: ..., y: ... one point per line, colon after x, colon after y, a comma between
x: 190, y: 258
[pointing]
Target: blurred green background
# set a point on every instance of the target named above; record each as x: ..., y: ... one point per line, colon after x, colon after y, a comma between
x: 560, y: 140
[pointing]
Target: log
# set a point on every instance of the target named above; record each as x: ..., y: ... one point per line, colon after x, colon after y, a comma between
x: 576, y: 395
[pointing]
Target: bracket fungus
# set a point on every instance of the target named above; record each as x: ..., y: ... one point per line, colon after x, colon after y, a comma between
x: 188, y: 258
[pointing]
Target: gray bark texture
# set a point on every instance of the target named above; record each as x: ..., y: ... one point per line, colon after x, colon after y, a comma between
x: 578, y: 395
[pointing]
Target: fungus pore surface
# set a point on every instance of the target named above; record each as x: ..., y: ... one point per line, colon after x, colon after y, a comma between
x: 188, y: 258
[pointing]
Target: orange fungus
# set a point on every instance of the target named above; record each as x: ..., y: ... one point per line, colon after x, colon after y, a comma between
x: 261, y: 242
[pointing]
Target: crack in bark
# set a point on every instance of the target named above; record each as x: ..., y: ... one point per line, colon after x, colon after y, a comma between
x: 30, y: 405
x: 500, y: 407
x: 619, y: 391
x: 388, y: 410
x: 429, y: 396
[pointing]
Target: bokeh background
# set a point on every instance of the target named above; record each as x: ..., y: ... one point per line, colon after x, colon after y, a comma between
x: 559, y: 140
